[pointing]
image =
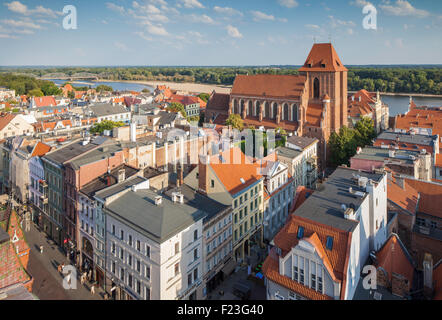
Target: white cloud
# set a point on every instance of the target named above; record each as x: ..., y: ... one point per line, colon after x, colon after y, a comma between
x: 260, y: 16
x: 360, y: 3
x: 403, y: 8
x: 7, y: 36
x: 202, y: 18
x: 157, y: 30
x: 143, y: 36
x: 312, y: 26
x: 121, y: 46
x: 114, y: 7
x: 227, y: 11
x: 18, y: 7
x: 288, y: 3
x: 234, y: 32
x: 192, y: 4
x: 21, y: 24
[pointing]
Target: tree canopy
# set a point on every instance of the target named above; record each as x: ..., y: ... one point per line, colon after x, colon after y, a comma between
x: 344, y: 145
x: 103, y: 87
x: 177, y: 107
x: 235, y: 121
x: 104, y: 125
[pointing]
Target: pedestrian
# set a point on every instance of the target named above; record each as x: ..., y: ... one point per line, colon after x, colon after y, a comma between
x: 41, y: 249
x: 82, y: 279
x: 93, y: 289
x: 60, y: 268
x: 89, y: 276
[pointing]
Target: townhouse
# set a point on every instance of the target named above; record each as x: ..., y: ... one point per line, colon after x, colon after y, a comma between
x: 320, y: 252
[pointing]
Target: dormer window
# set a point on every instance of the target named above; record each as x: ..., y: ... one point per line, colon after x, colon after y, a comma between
x: 300, y: 232
x: 322, y: 65
x: 329, y: 244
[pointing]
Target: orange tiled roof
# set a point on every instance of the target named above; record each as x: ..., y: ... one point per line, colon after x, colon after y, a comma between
x: 323, y: 53
x: 393, y: 257
x: 230, y: 174
x: 430, y: 201
x: 335, y: 259
x: 268, y: 85
x: 47, y: 101
x: 270, y: 269
x: 5, y: 120
x: 421, y: 117
x: 406, y: 199
x: 403, y: 145
x: 40, y: 149
x: 15, y: 229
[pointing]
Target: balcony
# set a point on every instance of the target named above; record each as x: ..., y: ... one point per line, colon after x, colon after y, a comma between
x: 44, y: 199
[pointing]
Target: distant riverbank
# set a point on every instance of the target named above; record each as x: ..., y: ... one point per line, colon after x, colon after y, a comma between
x: 190, y: 87
x: 421, y: 95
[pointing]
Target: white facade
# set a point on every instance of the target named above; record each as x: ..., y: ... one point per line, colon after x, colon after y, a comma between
x: 36, y: 174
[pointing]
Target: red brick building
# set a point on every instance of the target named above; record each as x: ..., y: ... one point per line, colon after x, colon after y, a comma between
x: 313, y: 103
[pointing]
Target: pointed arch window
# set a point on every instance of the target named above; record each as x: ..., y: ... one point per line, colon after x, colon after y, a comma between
x: 316, y: 88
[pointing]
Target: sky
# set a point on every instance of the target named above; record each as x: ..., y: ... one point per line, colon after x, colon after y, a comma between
x: 216, y: 32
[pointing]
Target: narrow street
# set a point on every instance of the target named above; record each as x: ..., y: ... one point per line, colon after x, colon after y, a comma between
x: 48, y: 282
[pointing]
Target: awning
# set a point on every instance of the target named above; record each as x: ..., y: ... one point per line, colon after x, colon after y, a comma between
x: 229, y: 267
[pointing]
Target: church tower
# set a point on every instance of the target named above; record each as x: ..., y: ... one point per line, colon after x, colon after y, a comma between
x: 326, y: 75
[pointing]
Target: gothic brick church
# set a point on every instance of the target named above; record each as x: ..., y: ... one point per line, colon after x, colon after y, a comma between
x: 312, y: 104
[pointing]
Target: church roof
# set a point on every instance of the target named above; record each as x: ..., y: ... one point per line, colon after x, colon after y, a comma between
x: 323, y: 57
x: 269, y: 85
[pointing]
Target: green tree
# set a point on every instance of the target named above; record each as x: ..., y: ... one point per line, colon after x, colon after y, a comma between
x: 235, y: 121
x: 103, y: 87
x: 365, y: 131
x: 177, y: 107
x: 104, y: 125
x: 36, y: 93
x: 204, y: 96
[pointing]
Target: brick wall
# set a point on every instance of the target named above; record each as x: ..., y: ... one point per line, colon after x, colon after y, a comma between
x: 422, y: 244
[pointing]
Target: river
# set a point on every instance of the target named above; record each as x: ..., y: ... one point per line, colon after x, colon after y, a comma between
x: 397, y: 104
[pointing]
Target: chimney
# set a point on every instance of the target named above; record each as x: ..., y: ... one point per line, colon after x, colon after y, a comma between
x: 428, y: 274
x: 158, y: 200
x: 180, y: 176
x: 121, y: 175
x: 203, y: 172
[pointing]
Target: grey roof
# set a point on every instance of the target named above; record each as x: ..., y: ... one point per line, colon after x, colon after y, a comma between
x: 166, y: 117
x: 138, y: 210
x: 105, y: 193
x: 288, y: 152
x: 106, y: 109
x: 195, y: 199
x: 73, y: 150
x: 96, y: 155
x: 325, y: 204
x: 302, y: 142
x: 107, y: 180
x: 408, y: 138
x: 381, y: 154
x: 4, y: 236
x: 16, y: 292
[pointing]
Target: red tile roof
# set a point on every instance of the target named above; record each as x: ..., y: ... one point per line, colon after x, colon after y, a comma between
x: 406, y: 198
x: 5, y: 120
x: 219, y: 102
x: 40, y: 149
x: 239, y: 167
x: 47, y: 101
x: 430, y: 201
x: 421, y: 117
x: 335, y: 260
x: 394, y: 258
x: 269, y: 86
x: 323, y: 53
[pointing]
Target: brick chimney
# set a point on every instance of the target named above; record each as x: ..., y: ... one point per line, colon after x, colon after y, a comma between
x: 180, y: 176
x: 203, y: 174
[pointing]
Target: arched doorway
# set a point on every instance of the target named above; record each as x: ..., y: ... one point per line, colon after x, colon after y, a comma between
x: 316, y: 88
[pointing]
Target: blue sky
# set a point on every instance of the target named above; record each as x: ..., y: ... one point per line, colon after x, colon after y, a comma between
x: 217, y: 32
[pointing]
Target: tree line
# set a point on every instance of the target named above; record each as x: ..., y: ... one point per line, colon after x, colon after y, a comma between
x: 411, y: 79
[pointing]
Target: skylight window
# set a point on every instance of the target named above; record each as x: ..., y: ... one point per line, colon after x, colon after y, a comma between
x: 329, y: 244
x: 242, y: 181
x: 300, y: 232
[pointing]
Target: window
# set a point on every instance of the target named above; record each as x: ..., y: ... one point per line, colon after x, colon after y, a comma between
x: 122, y: 274
x: 113, y: 247
x: 195, y: 235
x: 301, y: 278
x: 319, y: 284
x: 329, y: 244
x: 113, y: 229
x: 138, y: 245
x: 129, y: 281
x: 300, y: 232
x: 138, y: 287
x: 121, y: 254
x: 113, y: 267
x: 147, y: 293
x: 313, y: 281
x: 195, y: 254
x: 138, y: 266
x: 122, y: 235
x: 147, y: 272
x: 195, y: 274
x: 147, y: 251
x: 295, y: 273
x: 129, y: 260
x: 177, y: 248
x: 189, y: 279
x: 212, y: 183
x: 177, y: 269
